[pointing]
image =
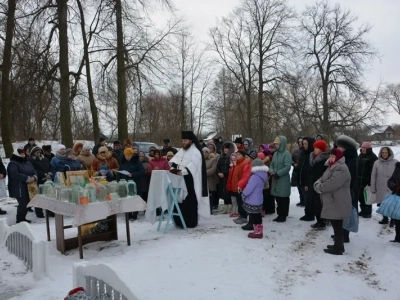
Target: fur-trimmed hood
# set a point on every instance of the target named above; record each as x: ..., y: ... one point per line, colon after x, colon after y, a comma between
x: 259, y: 169
x: 391, y: 154
x: 346, y: 142
x: 232, y: 148
x: 323, y: 156
x: 76, y: 146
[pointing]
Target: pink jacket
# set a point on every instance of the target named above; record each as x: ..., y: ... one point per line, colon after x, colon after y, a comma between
x: 161, y: 164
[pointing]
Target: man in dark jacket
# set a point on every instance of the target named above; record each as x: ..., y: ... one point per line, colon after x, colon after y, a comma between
x: 349, y: 147
x: 219, y: 143
x: 117, y: 150
x: 47, y: 152
x: 366, y: 161
x: 302, y: 169
x: 31, y: 143
x: 167, y: 148
x: 102, y: 142
x: 223, y: 165
x: 43, y: 170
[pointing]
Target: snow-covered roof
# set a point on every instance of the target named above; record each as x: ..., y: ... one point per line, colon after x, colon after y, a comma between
x: 378, y: 129
x: 211, y: 136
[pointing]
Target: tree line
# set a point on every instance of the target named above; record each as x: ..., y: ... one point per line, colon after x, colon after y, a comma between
x: 70, y: 68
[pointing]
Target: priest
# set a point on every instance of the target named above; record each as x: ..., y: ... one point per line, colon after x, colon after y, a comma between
x: 189, y: 163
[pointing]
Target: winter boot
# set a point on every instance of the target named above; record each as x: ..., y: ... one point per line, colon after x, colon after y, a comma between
x: 307, y: 218
x: 225, y: 210
x: 337, y: 248
x: 257, y: 233
x: 281, y: 219
x: 234, y: 213
x: 240, y: 220
x: 229, y: 209
x: 384, y: 221
x: 248, y: 226
x: 391, y: 223
x: 346, y: 239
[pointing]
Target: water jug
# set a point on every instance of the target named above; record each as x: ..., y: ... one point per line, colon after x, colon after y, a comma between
x: 122, y: 188
x: 112, y: 187
x: 132, y: 191
x: 75, y: 194
x: 91, y: 188
x: 50, y: 189
x: 101, y: 192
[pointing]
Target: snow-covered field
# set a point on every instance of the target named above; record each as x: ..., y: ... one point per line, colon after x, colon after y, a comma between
x: 216, y: 260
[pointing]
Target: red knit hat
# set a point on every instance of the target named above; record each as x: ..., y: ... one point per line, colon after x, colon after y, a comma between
x: 321, y: 144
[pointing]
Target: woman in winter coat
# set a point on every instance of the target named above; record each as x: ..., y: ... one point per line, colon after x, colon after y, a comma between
x: 70, y: 163
x: 20, y: 174
x: 104, y: 157
x: 146, y: 177
x: 253, y: 198
x: 366, y: 161
x: 132, y: 164
x: 279, y: 171
x: 213, y: 150
x: 234, y: 206
x: 334, y: 188
x: 381, y: 171
x: 394, y: 186
x: 223, y: 165
x: 78, y: 147
x: 318, y: 166
x: 211, y: 169
x: 302, y: 168
x: 158, y: 163
x: 86, y: 157
x: 43, y: 171
x: 3, y: 188
x: 57, y: 159
x: 232, y: 184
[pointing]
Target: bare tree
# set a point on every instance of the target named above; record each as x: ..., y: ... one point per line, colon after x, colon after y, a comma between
x: 337, y: 52
x: 392, y: 95
x: 5, y: 79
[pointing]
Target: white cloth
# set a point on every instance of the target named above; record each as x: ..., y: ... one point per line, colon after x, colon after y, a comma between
x: 89, y: 213
x: 192, y: 160
x: 158, y: 196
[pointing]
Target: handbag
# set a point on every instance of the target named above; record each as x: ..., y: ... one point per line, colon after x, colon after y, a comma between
x: 369, y: 198
x: 390, y: 207
x: 33, y: 189
x: 351, y: 223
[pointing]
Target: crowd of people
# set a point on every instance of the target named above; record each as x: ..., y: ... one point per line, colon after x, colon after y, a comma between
x: 252, y: 182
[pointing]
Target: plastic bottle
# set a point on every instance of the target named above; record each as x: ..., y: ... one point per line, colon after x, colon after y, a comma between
x: 83, y: 197
x: 122, y: 188
x: 91, y: 192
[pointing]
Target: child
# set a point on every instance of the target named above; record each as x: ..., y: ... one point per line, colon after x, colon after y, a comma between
x: 104, y: 171
x: 232, y: 208
x: 253, y: 197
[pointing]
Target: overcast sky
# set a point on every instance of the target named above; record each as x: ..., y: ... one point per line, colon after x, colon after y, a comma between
x: 382, y: 15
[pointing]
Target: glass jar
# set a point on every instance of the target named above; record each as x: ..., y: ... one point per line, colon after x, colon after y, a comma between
x: 91, y: 188
x: 75, y: 194
x: 122, y: 188
x: 101, y: 192
x: 42, y: 189
x: 66, y: 194
x: 132, y: 191
x: 112, y: 187
x: 50, y: 189
x: 83, y: 197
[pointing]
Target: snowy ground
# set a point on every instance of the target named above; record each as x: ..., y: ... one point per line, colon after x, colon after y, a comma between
x: 216, y: 260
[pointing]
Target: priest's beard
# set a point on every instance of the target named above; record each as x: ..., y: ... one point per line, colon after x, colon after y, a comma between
x: 187, y: 146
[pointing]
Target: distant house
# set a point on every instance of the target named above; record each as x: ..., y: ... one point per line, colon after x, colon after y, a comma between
x: 381, y: 133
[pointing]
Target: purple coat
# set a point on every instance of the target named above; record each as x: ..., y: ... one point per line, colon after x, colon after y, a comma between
x: 253, y: 193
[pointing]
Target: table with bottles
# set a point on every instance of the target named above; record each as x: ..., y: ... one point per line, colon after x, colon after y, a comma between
x: 94, y: 207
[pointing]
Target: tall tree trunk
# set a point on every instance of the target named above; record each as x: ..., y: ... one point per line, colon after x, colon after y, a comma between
x: 65, y: 112
x: 325, y: 114
x: 122, y: 106
x: 183, y: 121
x: 5, y: 80
x: 93, y: 107
x: 260, y: 99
